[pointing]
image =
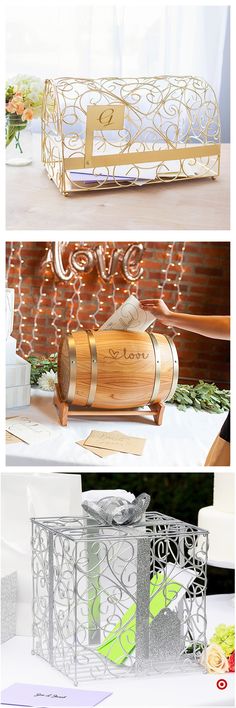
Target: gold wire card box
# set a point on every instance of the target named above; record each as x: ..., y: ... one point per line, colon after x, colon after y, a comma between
x: 114, y: 132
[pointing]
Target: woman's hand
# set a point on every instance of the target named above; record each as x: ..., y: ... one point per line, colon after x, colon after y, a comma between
x: 158, y: 308
x: 213, y: 326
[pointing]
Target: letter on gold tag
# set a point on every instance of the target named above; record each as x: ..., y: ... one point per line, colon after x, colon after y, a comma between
x: 102, y: 117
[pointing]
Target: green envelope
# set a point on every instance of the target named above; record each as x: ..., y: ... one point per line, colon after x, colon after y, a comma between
x: 121, y: 640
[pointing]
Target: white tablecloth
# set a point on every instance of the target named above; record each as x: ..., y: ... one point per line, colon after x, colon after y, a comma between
x: 191, y: 689
x: 182, y: 440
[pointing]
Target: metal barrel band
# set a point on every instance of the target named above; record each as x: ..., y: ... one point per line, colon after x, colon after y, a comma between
x: 94, y: 368
x: 175, y: 369
x: 72, y: 368
x: 157, y: 373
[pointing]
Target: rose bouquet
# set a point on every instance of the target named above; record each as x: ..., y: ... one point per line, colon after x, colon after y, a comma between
x: 219, y: 656
x: 23, y: 103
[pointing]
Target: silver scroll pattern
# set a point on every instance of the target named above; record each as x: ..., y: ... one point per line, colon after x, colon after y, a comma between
x: 87, y: 576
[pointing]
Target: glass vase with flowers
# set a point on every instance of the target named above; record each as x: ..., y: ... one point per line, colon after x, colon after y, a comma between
x: 23, y: 103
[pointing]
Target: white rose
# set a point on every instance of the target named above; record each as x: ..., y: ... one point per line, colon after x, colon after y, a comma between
x: 214, y: 660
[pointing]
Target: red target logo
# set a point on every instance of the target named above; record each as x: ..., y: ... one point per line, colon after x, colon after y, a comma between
x: 222, y: 684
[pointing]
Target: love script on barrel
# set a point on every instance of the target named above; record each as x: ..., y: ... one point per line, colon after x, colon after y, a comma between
x: 127, y: 356
x: 95, y: 367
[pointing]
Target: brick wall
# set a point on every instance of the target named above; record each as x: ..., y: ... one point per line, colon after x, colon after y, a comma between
x: 204, y: 290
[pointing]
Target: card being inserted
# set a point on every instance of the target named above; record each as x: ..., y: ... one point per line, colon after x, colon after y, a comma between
x: 130, y: 316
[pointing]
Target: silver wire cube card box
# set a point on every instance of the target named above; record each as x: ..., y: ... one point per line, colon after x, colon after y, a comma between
x: 115, y: 601
x: 116, y: 132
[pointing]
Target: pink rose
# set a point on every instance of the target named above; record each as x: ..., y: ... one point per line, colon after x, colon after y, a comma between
x: 10, y: 107
x: 19, y: 109
x: 27, y: 114
x: 18, y: 104
x: 16, y: 99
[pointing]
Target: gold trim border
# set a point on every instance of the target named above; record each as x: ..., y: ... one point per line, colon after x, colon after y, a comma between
x: 72, y: 363
x: 175, y: 375
x: 136, y: 158
x: 94, y: 367
x: 157, y: 376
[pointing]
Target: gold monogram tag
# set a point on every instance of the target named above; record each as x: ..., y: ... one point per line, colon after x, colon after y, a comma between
x: 106, y: 117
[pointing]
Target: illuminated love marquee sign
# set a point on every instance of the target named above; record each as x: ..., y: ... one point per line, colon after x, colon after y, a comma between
x: 86, y: 258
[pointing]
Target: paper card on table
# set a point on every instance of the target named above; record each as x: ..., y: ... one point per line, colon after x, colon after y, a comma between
x: 91, y: 177
x: 40, y: 696
x: 28, y: 430
x: 96, y: 450
x: 166, y: 590
x: 116, y: 441
x: 9, y: 439
x: 129, y: 316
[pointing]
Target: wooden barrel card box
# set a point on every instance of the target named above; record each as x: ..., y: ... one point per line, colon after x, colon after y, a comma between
x: 116, y: 132
x: 112, y: 373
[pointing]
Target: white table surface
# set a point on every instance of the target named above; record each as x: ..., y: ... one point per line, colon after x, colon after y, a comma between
x: 190, y: 689
x: 33, y: 202
x: 183, y: 439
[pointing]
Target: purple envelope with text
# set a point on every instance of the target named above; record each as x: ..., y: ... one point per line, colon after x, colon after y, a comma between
x: 37, y: 696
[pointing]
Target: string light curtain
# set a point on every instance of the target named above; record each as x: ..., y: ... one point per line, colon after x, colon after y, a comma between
x: 67, y: 313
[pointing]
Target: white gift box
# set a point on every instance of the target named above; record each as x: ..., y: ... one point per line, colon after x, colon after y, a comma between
x: 18, y: 374
x: 22, y: 496
x: 17, y: 396
x: 10, y: 351
x: 18, y: 383
x: 17, y: 369
x: 9, y: 311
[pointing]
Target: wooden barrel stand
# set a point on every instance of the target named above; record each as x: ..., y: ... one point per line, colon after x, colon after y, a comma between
x: 67, y: 410
x: 115, y: 373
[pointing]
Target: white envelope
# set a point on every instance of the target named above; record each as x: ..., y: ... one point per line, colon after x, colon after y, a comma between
x: 28, y: 430
x: 129, y: 316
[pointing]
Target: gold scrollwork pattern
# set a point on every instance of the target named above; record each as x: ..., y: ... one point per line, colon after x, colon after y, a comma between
x: 155, y: 129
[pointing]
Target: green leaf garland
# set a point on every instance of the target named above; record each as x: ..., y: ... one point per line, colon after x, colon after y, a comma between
x: 203, y: 396
x: 40, y: 365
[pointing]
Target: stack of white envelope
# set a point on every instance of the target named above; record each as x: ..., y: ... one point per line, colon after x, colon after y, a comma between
x: 17, y: 369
